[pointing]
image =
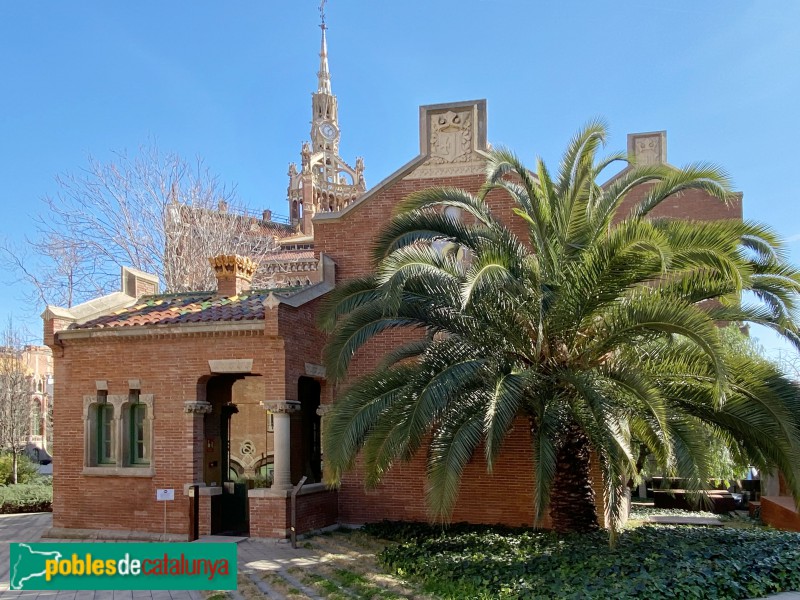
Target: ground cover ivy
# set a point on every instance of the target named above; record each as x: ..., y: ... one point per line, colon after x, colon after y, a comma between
x: 648, y: 562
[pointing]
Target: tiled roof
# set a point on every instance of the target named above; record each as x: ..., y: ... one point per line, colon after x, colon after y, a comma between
x: 189, y: 307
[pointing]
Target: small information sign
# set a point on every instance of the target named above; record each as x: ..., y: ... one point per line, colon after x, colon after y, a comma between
x: 165, y: 494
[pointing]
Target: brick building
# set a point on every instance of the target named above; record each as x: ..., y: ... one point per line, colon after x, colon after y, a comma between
x: 175, y: 390
x: 36, y: 363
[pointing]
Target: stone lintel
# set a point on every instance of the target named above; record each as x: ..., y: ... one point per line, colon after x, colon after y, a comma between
x: 317, y: 371
x: 231, y: 365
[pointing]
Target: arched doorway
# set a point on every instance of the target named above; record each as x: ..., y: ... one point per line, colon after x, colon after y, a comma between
x: 236, y: 437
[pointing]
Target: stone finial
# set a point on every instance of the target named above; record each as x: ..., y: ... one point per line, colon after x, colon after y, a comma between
x: 234, y: 273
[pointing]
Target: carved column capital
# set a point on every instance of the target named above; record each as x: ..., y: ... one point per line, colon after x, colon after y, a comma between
x: 324, y: 409
x: 196, y: 407
x: 281, y: 406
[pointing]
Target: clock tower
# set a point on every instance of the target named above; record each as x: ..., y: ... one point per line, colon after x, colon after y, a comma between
x: 324, y: 182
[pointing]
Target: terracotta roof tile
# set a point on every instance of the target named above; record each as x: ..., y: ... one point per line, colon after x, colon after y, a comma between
x: 190, y: 307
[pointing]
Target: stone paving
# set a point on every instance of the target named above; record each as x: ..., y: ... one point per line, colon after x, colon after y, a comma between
x: 256, y: 558
x: 29, y: 528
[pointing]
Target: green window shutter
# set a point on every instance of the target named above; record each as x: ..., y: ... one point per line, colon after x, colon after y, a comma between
x: 105, y: 434
x: 137, y: 434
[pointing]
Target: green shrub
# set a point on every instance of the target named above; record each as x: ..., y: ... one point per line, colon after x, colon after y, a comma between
x: 259, y: 481
x: 26, y: 497
x: 27, y: 470
x: 648, y: 562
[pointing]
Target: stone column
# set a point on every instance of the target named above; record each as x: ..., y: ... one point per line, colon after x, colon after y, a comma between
x: 282, y: 444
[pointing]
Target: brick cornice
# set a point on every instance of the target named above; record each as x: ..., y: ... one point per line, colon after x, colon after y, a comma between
x: 161, y: 331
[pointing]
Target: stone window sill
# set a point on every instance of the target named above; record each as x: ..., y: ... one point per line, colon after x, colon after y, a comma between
x: 119, y: 471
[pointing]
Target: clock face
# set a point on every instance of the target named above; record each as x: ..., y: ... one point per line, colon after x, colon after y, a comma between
x: 328, y: 130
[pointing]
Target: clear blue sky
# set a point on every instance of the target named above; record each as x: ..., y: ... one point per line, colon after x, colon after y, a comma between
x: 231, y: 82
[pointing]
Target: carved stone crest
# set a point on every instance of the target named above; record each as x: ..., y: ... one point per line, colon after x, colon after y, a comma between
x: 451, y: 137
x: 648, y: 149
x: 452, y: 141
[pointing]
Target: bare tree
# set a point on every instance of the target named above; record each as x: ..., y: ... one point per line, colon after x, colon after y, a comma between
x: 16, y: 407
x: 789, y: 363
x: 155, y: 212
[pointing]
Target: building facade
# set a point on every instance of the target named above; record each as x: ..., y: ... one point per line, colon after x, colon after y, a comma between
x: 198, y: 390
x: 35, y: 363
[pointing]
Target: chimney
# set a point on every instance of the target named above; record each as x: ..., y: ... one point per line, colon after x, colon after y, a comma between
x: 234, y: 273
x: 266, y: 215
x: 136, y: 283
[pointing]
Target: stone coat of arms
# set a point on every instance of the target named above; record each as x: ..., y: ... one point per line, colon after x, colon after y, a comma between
x: 451, y: 137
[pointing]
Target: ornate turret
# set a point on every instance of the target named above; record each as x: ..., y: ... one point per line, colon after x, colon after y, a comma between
x: 325, y: 182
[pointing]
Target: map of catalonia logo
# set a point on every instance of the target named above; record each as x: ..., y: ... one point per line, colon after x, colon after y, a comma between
x: 122, y: 566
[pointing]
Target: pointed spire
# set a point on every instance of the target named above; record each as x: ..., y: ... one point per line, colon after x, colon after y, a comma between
x: 323, y: 76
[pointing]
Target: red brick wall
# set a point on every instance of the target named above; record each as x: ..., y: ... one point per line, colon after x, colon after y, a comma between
x: 271, y: 517
x: 168, y: 366
x: 303, y: 343
x: 691, y: 204
x: 505, y: 496
x: 317, y: 511
x: 780, y: 513
x: 207, y: 504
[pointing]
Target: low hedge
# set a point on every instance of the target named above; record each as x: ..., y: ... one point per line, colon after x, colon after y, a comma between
x: 26, y: 498
x: 648, y: 562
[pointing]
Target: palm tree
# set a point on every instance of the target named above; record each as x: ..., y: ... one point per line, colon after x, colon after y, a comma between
x: 600, y: 328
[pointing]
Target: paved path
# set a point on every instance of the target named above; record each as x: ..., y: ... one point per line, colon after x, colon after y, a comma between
x: 29, y: 528
x: 688, y: 520
x: 255, y: 558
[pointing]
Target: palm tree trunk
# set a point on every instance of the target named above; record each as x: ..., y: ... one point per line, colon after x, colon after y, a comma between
x: 572, y: 501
